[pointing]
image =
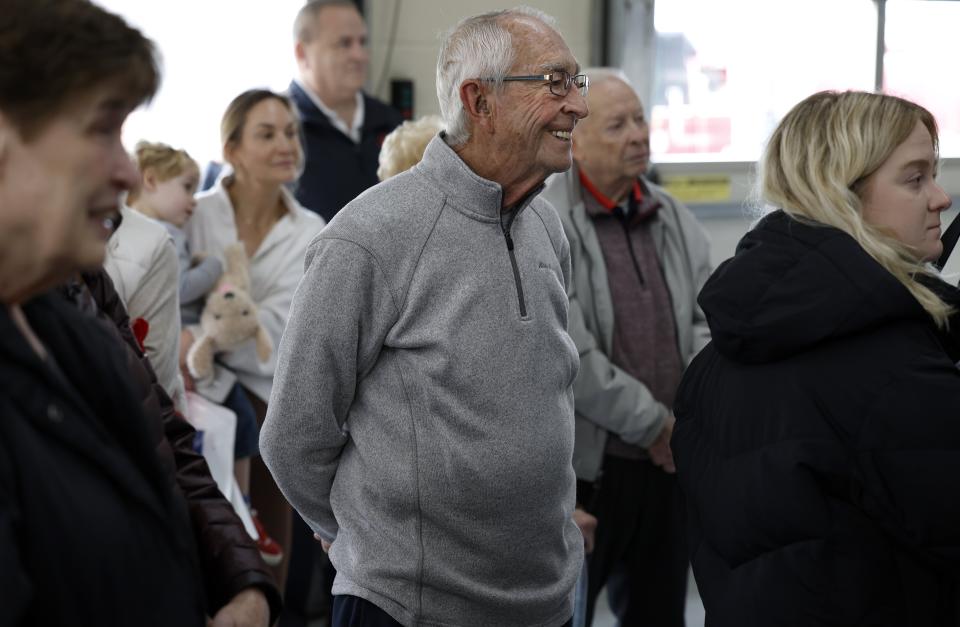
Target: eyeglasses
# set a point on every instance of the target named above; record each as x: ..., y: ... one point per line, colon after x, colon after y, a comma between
x: 559, y: 82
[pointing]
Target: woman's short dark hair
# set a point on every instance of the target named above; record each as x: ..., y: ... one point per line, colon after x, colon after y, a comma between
x: 52, y: 51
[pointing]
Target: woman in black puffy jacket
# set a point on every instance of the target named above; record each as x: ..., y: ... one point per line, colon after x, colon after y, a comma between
x: 818, y: 435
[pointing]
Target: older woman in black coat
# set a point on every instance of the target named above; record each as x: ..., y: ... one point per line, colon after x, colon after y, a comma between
x: 93, y: 528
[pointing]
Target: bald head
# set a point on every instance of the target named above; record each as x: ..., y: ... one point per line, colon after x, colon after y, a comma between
x: 612, y: 145
x: 331, y: 49
x: 306, y: 26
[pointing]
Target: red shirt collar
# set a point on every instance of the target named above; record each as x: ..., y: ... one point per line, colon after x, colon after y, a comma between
x: 601, y: 198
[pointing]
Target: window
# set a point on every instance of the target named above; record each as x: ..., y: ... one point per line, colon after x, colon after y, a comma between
x: 727, y: 72
x: 919, y: 45
x: 211, y: 51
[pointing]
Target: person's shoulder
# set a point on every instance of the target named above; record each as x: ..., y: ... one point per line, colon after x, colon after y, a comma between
x: 172, y: 228
x: 133, y: 219
x: 295, y: 92
x: 302, y: 101
x: 379, y: 113
x: 546, y: 209
x: 211, y: 204
x: 175, y: 232
x: 211, y: 196
x: 557, y: 191
x: 404, y: 198
x: 137, y: 232
x: 401, y: 208
x: 550, y: 217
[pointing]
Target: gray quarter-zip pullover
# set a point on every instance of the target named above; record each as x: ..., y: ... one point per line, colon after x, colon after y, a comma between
x: 422, y: 409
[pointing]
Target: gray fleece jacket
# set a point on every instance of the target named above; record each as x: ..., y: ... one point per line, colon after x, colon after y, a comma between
x: 422, y: 409
x: 608, y: 400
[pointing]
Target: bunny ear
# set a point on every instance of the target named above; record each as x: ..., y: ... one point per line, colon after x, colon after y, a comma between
x: 236, y: 256
x: 264, y: 344
x: 236, y: 252
x: 200, y: 358
x: 237, y: 266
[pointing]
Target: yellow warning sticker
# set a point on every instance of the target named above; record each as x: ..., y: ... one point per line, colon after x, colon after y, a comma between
x: 702, y: 188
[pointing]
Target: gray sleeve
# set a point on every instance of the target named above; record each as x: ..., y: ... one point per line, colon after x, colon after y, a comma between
x: 196, y: 282
x: 699, y: 251
x: 696, y: 245
x: 606, y: 395
x: 341, y: 313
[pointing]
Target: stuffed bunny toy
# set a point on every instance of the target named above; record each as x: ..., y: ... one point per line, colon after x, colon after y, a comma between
x: 229, y: 317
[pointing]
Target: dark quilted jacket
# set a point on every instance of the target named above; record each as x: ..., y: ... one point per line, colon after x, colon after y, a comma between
x: 818, y: 441
x: 229, y: 559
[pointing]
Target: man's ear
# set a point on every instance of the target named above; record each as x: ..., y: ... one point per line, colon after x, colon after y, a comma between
x: 300, y: 52
x: 476, y: 103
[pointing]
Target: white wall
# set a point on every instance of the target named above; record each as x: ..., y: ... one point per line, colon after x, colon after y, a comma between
x: 211, y: 51
x: 420, y: 25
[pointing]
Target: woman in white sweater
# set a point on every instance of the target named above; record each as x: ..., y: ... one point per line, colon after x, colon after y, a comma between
x: 260, y: 135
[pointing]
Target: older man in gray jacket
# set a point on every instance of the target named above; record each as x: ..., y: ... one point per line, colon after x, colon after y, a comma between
x: 422, y: 414
x: 639, y: 259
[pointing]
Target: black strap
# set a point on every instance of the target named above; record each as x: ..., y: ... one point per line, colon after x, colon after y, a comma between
x: 949, y: 240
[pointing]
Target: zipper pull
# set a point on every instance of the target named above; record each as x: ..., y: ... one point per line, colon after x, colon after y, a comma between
x: 506, y: 234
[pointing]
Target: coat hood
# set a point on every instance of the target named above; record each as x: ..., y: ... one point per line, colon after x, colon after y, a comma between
x: 792, y: 285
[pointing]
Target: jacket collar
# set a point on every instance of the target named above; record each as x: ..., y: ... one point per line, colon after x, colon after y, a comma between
x: 355, y: 131
x: 305, y: 105
x: 601, y: 203
x: 464, y: 188
x: 377, y: 119
x: 638, y: 206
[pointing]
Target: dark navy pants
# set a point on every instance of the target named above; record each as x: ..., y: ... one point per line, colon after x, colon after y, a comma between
x: 350, y: 611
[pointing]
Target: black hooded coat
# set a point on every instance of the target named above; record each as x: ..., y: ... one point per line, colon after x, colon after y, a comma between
x: 818, y: 440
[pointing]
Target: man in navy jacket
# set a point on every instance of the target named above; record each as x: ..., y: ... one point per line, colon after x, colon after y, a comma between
x: 343, y: 128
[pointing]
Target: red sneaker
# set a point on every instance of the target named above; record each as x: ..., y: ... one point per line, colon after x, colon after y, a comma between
x: 270, y: 551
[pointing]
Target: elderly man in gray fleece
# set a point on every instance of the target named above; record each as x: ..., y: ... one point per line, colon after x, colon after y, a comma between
x: 421, y: 419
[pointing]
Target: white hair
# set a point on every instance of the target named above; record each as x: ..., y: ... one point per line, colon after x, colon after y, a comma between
x: 403, y: 148
x: 599, y: 75
x: 477, y: 47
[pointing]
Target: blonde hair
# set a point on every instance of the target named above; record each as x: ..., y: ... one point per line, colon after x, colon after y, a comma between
x: 165, y: 161
x: 818, y: 158
x: 403, y: 147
